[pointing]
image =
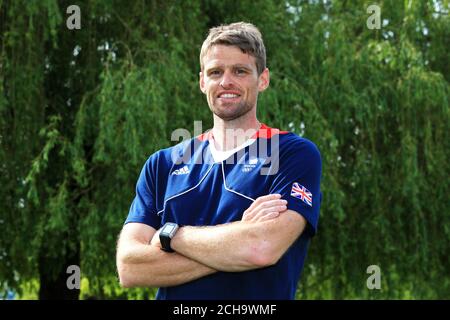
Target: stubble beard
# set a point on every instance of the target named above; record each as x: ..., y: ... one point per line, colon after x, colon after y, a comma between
x: 242, y: 109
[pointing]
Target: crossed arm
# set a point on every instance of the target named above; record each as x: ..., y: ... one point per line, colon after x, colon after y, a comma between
x: 263, y: 235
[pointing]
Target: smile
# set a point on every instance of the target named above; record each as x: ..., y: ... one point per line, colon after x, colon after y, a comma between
x: 228, y: 95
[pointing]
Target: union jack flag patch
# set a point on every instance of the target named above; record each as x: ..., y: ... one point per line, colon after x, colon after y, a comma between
x: 300, y: 192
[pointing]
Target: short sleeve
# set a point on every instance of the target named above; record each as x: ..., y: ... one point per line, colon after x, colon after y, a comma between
x: 298, y: 180
x: 143, y: 208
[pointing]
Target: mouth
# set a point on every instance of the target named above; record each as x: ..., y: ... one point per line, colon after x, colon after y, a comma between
x: 228, y: 96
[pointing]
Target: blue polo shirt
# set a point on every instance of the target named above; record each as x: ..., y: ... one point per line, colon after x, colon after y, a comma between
x: 191, y: 184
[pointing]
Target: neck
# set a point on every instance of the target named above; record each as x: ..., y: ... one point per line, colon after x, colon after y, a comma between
x: 231, y: 134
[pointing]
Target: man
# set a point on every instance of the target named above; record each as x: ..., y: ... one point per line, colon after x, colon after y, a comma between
x: 225, y: 216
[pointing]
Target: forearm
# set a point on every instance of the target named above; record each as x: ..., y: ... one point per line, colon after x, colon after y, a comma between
x: 144, y: 265
x: 231, y: 247
x: 241, y: 245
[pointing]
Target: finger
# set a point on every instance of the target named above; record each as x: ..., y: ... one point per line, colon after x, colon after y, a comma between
x: 266, y: 198
x: 155, y: 237
x: 267, y: 211
x: 265, y: 201
x: 248, y: 215
x: 264, y: 209
x: 271, y: 203
x: 269, y: 216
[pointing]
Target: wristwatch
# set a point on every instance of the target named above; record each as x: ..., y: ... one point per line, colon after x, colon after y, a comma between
x: 166, y: 234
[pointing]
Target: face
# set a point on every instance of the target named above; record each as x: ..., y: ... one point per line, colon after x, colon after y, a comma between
x: 230, y: 81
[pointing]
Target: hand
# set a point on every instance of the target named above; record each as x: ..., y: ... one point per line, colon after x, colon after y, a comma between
x: 265, y: 208
x: 155, y: 240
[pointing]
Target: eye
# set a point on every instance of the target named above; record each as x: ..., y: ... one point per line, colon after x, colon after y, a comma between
x: 241, y: 71
x: 214, y: 73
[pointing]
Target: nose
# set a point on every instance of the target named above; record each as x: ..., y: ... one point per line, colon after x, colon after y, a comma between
x: 227, y: 80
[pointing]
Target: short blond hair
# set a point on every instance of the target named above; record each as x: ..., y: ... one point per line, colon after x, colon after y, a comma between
x: 243, y: 35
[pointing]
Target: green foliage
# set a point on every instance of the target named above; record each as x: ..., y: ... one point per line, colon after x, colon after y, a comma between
x: 81, y: 111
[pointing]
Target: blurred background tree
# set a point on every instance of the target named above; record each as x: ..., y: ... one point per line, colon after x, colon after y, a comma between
x: 81, y: 111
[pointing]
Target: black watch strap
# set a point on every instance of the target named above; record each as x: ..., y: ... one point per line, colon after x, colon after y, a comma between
x: 165, y: 244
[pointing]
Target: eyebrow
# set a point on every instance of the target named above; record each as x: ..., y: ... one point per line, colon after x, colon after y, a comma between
x: 221, y: 66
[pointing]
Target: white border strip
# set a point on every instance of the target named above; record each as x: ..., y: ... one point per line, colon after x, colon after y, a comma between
x: 177, y: 195
x: 228, y: 189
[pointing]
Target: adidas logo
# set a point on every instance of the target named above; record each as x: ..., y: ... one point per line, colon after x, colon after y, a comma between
x: 184, y: 170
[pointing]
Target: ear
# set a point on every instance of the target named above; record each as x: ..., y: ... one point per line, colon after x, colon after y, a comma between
x: 202, y: 82
x: 263, y: 80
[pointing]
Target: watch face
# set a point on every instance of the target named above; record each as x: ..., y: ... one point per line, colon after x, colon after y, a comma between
x: 168, y: 228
